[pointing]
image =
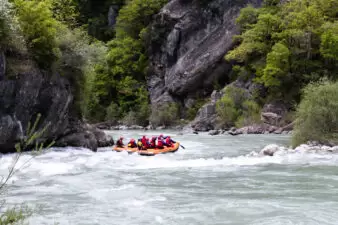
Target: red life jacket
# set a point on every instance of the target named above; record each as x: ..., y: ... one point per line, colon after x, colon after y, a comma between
x: 144, y: 141
x: 159, y: 143
x: 168, y: 141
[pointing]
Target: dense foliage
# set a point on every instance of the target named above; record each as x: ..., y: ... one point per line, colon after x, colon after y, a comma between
x: 288, y: 45
x: 120, y: 80
x: 317, y: 114
x: 237, y: 108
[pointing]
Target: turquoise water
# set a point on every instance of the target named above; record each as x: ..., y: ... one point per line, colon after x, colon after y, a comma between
x: 213, y: 181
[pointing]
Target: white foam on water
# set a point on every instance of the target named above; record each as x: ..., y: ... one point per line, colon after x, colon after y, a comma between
x: 119, y: 182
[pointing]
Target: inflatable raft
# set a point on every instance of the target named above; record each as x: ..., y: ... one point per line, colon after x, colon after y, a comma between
x: 129, y: 150
x: 149, y: 152
x: 156, y: 151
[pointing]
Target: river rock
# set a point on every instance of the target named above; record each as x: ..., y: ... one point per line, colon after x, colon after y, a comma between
x: 214, y: 132
x: 135, y: 127
x: 205, y: 119
x: 274, y: 112
x: 269, y: 150
x: 271, y: 118
x: 160, y: 128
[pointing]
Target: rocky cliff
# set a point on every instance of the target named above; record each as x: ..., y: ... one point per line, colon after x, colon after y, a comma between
x: 26, y: 91
x: 188, y: 42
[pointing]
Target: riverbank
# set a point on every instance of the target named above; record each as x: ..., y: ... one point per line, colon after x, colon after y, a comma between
x: 186, y: 129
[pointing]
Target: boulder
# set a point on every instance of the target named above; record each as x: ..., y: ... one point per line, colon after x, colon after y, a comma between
x: 205, y: 119
x: 274, y: 112
x: 269, y: 150
x: 136, y: 127
x: 214, y: 132
x: 271, y: 118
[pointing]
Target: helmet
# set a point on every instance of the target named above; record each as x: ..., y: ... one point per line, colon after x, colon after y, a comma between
x: 161, y: 135
x: 132, y: 140
x: 121, y: 137
x: 144, y: 136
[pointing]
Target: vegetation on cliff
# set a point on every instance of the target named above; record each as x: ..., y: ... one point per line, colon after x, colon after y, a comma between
x: 284, y: 45
x: 120, y: 82
x: 288, y: 45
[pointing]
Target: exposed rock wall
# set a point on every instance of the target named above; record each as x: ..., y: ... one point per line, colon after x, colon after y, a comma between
x: 25, y: 92
x: 188, y: 43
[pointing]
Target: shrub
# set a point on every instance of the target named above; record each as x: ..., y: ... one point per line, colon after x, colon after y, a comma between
x: 113, y: 112
x: 317, y: 114
x: 165, y: 115
x: 227, y: 111
x: 234, y: 108
x: 192, y: 111
x: 251, y: 113
x: 130, y: 118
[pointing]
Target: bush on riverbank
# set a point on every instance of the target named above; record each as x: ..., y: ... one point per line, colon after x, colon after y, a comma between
x: 165, y: 115
x: 234, y: 109
x: 317, y: 114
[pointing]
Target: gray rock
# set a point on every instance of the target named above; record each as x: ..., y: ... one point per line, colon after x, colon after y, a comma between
x: 36, y: 92
x: 214, y: 132
x: 189, y: 102
x: 274, y: 112
x: 271, y: 118
x: 150, y: 127
x: 206, y: 118
x: 160, y: 128
x: 216, y: 95
x: 136, y: 127
x: 269, y: 150
x: 187, y: 46
x: 253, y: 129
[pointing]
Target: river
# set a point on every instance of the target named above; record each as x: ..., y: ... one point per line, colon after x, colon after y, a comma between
x: 212, y: 182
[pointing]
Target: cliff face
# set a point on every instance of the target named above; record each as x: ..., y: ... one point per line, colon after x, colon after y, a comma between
x: 188, y: 42
x: 25, y: 92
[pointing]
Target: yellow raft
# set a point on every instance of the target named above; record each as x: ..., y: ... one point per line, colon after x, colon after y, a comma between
x: 149, y: 152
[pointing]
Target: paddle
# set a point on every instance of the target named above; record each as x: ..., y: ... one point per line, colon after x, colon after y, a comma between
x: 182, y: 146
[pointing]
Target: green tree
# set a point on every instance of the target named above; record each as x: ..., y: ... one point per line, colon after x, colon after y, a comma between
x: 247, y: 18
x: 66, y: 11
x: 329, y: 41
x: 289, y: 45
x: 39, y: 29
x: 277, y: 65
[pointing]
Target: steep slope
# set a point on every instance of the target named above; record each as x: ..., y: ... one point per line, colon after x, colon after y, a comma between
x: 188, y: 42
x: 26, y: 91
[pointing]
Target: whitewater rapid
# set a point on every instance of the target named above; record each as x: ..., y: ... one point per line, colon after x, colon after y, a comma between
x: 215, y: 180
